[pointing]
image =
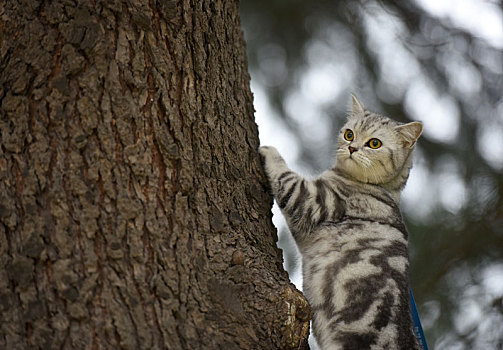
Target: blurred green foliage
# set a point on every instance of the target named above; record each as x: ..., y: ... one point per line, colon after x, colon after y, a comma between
x: 407, y: 61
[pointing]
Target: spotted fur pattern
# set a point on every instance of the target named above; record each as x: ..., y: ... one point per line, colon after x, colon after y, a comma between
x: 349, y: 230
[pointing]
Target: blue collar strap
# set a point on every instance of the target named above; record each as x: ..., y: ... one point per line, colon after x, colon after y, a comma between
x: 418, y: 329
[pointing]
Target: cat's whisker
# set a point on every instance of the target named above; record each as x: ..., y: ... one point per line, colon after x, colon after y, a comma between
x: 366, y: 162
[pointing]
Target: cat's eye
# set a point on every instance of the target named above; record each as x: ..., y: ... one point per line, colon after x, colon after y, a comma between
x: 374, y: 143
x: 348, y: 135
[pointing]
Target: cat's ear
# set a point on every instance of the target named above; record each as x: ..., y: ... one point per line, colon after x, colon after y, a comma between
x: 356, y: 106
x: 410, y: 133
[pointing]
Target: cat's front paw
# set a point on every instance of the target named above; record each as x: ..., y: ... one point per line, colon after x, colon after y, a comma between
x: 274, y: 164
x: 269, y: 153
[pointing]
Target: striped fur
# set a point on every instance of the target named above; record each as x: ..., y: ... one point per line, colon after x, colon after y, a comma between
x: 349, y: 230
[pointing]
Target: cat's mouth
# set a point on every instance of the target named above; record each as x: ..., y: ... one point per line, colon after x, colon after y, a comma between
x: 358, y: 161
x: 352, y: 162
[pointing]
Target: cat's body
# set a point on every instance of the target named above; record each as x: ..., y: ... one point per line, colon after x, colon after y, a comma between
x: 349, y: 230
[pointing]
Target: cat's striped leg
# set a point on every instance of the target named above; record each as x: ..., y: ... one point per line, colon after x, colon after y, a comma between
x: 276, y: 170
x: 294, y: 194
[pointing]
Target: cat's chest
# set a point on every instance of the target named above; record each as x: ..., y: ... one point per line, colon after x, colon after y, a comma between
x: 370, y: 206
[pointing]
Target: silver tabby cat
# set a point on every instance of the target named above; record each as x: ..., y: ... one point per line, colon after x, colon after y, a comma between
x: 350, y: 233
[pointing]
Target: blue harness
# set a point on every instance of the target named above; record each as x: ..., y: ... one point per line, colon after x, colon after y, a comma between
x: 418, y: 329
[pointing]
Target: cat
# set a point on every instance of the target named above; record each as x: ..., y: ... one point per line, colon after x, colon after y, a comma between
x: 350, y: 233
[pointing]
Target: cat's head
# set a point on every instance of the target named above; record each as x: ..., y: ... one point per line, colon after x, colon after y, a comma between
x: 375, y: 149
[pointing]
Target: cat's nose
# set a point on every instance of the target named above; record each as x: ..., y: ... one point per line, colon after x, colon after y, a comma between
x: 352, y: 149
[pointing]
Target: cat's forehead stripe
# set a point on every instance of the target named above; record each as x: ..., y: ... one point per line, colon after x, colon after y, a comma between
x: 371, y: 122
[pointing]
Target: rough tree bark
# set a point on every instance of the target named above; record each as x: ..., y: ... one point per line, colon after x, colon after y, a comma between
x: 134, y: 211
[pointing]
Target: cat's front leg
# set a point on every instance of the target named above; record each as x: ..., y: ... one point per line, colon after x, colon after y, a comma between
x: 305, y: 203
x: 291, y: 191
x: 275, y: 167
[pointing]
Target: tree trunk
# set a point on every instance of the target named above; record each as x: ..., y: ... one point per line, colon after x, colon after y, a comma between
x: 134, y: 210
